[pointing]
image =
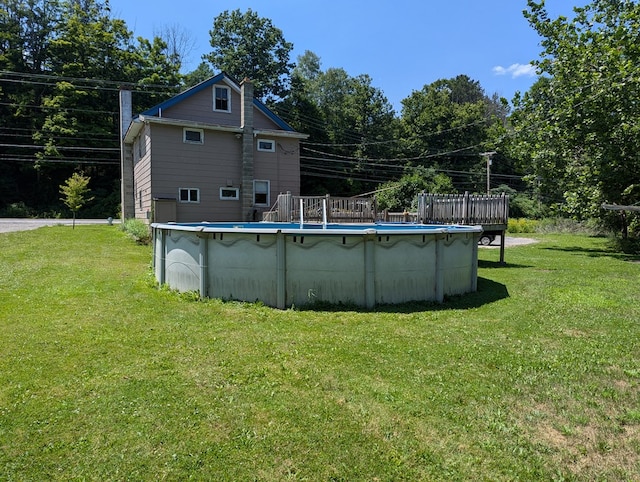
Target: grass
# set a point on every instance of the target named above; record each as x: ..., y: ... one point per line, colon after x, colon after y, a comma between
x: 104, y: 377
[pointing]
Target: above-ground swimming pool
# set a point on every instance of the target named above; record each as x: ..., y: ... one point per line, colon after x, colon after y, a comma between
x: 285, y: 264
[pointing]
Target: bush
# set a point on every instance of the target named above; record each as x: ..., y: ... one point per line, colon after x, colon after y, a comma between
x: 138, y: 230
x: 570, y: 226
x: 17, y: 210
x: 522, y: 225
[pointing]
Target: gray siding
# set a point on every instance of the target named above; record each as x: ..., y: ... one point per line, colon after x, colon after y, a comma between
x: 282, y: 167
x: 164, y: 163
x: 210, y: 166
x: 142, y: 174
x: 206, y: 167
x: 199, y: 108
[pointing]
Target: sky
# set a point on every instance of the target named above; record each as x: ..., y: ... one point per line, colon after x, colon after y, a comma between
x: 402, y: 45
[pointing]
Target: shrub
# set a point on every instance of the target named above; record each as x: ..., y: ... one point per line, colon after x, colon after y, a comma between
x: 571, y: 226
x: 17, y: 210
x: 522, y: 225
x: 138, y: 230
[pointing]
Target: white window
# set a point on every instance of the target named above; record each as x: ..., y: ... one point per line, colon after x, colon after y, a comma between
x: 193, y: 136
x: 261, y: 193
x: 266, y: 145
x: 221, y: 98
x: 189, y: 195
x: 229, y: 193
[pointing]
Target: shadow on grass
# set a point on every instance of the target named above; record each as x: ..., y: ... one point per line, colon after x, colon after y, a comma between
x: 496, y: 264
x: 596, y: 252
x: 488, y: 292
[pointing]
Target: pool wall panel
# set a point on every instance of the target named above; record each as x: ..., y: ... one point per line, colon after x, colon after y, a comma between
x: 404, y: 269
x: 325, y: 268
x: 242, y: 267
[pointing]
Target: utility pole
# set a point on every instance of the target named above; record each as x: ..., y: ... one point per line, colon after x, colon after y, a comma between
x: 488, y: 156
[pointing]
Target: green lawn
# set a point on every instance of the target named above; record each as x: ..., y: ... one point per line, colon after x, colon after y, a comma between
x: 104, y: 377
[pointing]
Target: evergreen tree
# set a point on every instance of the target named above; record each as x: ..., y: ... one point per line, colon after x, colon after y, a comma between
x: 247, y: 45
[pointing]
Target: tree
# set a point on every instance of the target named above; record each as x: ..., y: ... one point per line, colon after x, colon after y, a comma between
x: 247, y: 45
x: 402, y: 195
x: 351, y: 126
x: 201, y: 73
x: 179, y: 41
x: 66, y: 60
x: 447, y: 124
x: 578, y: 125
x: 74, y: 191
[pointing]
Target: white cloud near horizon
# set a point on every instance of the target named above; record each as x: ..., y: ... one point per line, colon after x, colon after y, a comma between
x: 516, y: 70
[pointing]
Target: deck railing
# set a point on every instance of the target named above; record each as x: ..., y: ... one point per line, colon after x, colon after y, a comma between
x: 485, y: 210
x: 315, y: 208
x: 476, y: 209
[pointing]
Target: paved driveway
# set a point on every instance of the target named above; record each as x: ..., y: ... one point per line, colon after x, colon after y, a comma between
x: 8, y: 225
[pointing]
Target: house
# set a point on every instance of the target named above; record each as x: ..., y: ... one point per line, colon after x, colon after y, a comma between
x: 211, y: 153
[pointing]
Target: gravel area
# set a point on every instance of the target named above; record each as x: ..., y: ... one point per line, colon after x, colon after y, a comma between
x: 510, y: 241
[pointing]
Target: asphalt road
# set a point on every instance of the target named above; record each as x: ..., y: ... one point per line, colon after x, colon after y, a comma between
x: 8, y: 225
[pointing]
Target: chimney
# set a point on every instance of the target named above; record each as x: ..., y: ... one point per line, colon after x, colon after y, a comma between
x: 246, y: 121
x: 127, y: 206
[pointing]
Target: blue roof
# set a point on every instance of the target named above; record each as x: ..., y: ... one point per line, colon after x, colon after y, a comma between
x: 156, y: 109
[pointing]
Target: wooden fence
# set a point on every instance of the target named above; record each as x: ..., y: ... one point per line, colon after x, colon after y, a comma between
x: 485, y: 210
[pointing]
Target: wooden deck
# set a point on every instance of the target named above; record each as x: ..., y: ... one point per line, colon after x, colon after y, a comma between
x: 313, y: 208
x: 467, y: 209
x: 489, y: 211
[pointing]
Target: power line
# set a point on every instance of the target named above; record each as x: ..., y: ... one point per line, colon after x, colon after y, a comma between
x: 31, y: 160
x: 98, y: 83
x: 60, y: 109
x: 64, y: 148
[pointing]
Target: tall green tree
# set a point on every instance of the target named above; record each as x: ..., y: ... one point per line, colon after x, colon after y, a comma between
x: 447, y: 125
x: 247, y: 45
x: 64, y: 61
x: 577, y: 128
x: 351, y: 125
x: 26, y: 27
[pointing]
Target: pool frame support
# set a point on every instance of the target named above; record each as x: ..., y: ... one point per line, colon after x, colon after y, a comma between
x: 281, y: 271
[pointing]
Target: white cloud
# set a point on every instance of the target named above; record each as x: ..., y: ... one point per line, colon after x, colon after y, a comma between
x: 516, y: 70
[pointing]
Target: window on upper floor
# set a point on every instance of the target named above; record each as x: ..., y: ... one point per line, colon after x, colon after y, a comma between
x: 221, y: 98
x: 193, y: 136
x: 266, y: 145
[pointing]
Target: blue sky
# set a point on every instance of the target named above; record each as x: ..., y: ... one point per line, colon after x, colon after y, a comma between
x: 401, y: 44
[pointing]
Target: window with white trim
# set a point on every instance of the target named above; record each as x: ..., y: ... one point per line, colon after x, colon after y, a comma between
x: 193, y: 136
x: 221, y: 98
x: 261, y: 193
x: 229, y: 193
x: 266, y: 145
x: 189, y: 195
